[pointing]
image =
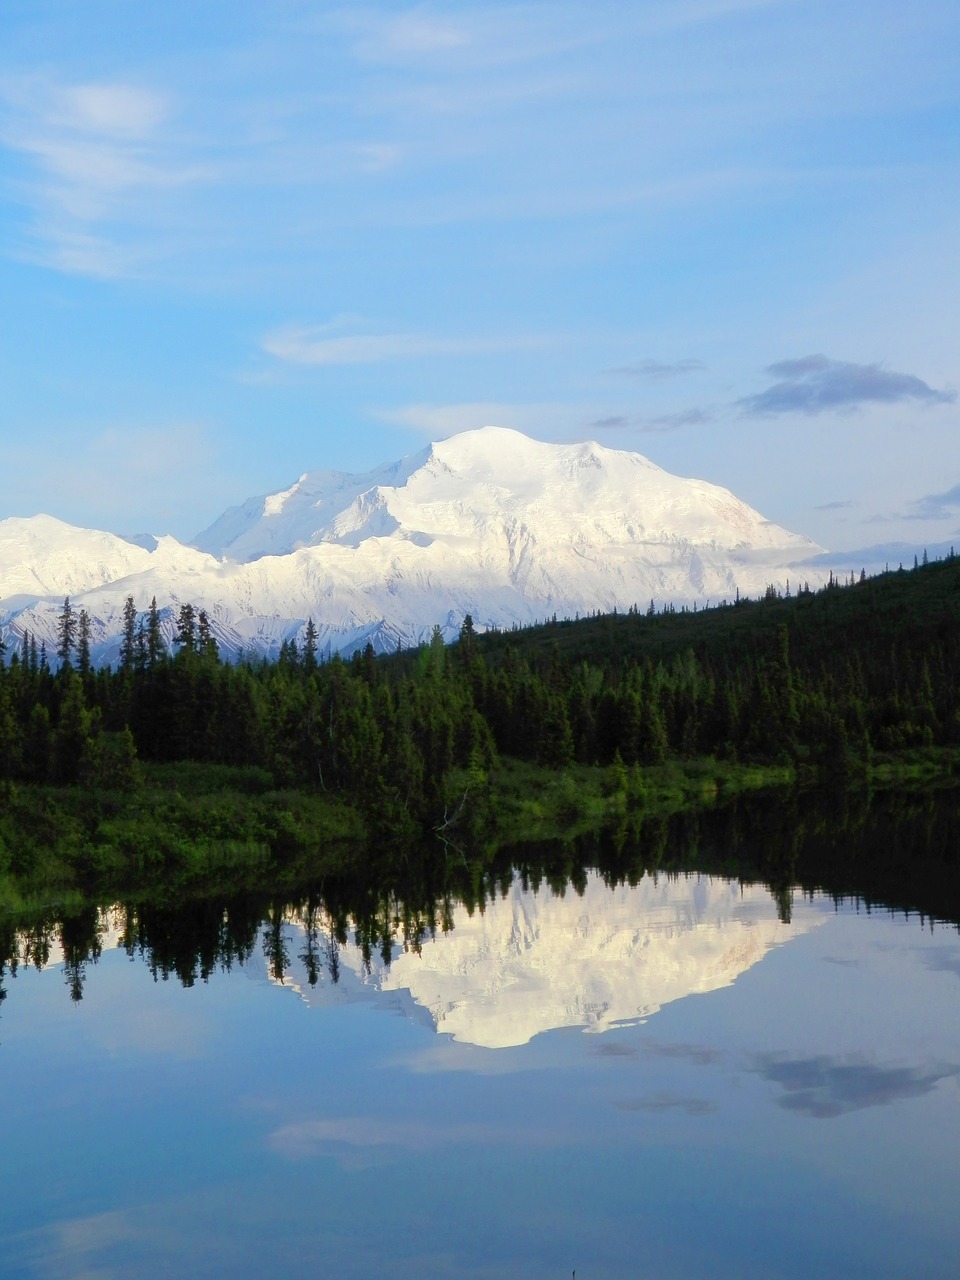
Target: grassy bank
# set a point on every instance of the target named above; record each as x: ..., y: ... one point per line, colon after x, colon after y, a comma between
x: 190, y: 829
x: 532, y: 803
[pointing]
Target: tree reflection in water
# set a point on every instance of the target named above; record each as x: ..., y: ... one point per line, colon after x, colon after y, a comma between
x: 894, y: 850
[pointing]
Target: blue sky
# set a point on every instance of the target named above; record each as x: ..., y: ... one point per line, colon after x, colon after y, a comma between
x: 240, y: 241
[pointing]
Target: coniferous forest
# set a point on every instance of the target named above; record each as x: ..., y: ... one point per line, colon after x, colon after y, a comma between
x: 178, y: 755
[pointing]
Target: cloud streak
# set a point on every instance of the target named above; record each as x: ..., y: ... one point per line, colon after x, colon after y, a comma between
x: 657, y: 370
x: 309, y: 346
x: 651, y: 426
x: 661, y: 1102
x: 816, y: 384
x: 317, y: 345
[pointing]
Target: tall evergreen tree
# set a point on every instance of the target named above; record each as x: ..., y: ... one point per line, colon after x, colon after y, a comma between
x: 154, y: 637
x: 128, y: 645
x: 66, y: 633
x: 207, y: 646
x: 186, y: 633
x: 83, y: 643
x: 140, y: 648
x: 309, y: 656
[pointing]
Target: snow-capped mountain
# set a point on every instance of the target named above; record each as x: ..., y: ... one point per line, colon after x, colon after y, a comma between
x: 490, y: 522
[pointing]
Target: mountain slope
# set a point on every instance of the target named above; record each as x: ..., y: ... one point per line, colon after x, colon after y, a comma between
x: 489, y: 522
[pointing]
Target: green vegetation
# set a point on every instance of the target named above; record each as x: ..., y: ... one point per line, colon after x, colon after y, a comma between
x: 184, y: 764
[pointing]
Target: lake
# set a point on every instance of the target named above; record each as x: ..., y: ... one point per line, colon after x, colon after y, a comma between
x: 617, y: 1057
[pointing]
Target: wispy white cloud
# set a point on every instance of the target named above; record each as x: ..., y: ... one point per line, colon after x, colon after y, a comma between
x: 474, y: 38
x: 416, y: 33
x: 656, y: 370
x: 110, y: 109
x: 306, y: 346
x: 317, y: 345
x: 94, y: 157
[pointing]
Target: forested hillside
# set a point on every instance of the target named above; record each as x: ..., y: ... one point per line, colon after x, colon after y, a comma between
x: 821, y: 680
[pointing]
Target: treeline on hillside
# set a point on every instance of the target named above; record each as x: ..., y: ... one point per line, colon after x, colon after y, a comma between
x: 823, y: 679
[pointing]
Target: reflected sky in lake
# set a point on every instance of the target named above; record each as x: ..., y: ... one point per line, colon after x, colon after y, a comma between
x: 661, y: 1080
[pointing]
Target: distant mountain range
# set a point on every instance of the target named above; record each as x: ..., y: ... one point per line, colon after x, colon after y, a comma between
x: 490, y: 523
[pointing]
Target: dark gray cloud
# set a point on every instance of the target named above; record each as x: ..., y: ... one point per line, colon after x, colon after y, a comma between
x: 936, y: 506
x: 616, y: 423
x: 835, y: 506
x: 815, y: 384
x: 668, y: 1102
x: 657, y: 369
x: 674, y: 421
x: 666, y: 422
x: 825, y: 1087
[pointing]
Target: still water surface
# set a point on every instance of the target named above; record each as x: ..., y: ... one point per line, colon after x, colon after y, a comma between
x: 659, y: 1079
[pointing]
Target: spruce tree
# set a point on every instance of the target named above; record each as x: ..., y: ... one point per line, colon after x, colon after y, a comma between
x: 128, y: 645
x: 66, y: 633
x: 186, y: 634
x: 83, y: 643
x: 309, y: 657
x: 154, y: 638
x: 206, y: 644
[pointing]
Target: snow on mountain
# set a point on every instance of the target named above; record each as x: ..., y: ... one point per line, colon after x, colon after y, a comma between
x: 531, y: 962
x: 278, y: 523
x: 475, y: 487
x: 490, y: 522
x: 42, y: 556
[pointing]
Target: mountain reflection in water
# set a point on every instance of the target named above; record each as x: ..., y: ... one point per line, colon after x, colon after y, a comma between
x: 530, y: 962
